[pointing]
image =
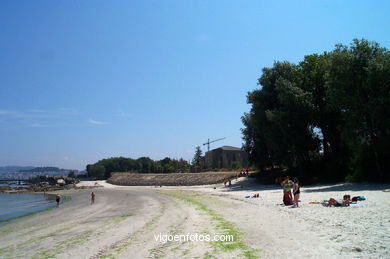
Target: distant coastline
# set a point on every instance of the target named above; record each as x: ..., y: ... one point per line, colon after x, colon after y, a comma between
x: 27, y: 172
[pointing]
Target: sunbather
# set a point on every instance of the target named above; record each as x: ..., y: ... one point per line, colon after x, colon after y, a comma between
x: 339, y: 203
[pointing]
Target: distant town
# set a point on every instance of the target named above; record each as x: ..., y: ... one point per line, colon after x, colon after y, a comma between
x: 27, y: 172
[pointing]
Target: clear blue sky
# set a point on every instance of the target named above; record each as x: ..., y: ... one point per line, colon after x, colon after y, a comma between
x: 86, y: 80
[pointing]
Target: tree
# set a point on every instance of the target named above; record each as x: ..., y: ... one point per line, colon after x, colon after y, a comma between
x: 326, y: 116
x: 98, y: 171
x: 196, y: 161
x: 72, y: 174
x: 326, y: 119
x: 140, y: 165
x: 278, y: 129
x: 358, y: 81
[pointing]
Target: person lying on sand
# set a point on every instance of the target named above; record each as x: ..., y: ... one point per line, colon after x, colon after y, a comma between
x: 339, y: 203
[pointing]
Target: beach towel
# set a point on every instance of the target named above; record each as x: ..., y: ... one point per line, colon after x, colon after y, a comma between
x: 356, y: 205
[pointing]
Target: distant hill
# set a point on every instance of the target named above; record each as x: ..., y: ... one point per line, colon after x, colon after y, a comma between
x: 27, y: 172
x: 44, y: 169
x: 10, y: 169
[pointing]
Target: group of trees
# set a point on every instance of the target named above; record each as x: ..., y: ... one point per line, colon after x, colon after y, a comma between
x: 325, y: 118
x: 103, y: 168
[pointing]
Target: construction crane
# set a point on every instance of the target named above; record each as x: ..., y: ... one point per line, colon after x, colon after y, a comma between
x: 208, y: 142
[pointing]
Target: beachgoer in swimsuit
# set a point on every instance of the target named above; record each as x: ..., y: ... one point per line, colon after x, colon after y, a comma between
x: 287, y: 185
x: 58, y: 199
x: 296, y: 192
x: 339, y: 203
x: 92, y: 198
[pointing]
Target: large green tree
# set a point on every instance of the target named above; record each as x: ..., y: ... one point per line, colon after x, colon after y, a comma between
x: 277, y: 129
x: 327, y: 116
x: 359, y: 86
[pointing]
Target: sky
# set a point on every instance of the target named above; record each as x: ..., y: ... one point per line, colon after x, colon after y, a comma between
x: 85, y: 80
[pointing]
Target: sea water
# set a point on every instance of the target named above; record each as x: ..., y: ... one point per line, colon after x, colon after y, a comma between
x: 14, y: 205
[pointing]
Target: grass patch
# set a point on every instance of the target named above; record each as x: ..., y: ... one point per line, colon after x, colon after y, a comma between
x: 208, y: 256
x: 120, y: 246
x: 7, y: 230
x: 118, y: 220
x: 64, y: 244
x: 116, y: 250
x: 223, y: 227
x: 186, y: 252
x: 10, y: 249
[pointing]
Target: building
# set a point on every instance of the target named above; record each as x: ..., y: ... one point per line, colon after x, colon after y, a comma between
x: 225, y: 156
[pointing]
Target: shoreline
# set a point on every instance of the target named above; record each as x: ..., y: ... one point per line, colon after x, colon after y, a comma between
x: 27, y: 214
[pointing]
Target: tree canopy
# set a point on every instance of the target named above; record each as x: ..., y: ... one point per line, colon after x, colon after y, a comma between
x: 103, y: 168
x: 326, y: 117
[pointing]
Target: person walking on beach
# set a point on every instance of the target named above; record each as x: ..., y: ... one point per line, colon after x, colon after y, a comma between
x: 296, y: 192
x: 287, y: 185
x: 58, y: 199
x: 92, y: 198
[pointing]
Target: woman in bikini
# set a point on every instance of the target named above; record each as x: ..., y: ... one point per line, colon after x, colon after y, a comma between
x: 287, y: 185
x: 339, y: 203
x: 296, y: 192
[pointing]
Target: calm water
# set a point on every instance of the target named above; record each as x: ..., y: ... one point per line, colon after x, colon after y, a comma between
x: 19, y: 204
x: 14, y: 185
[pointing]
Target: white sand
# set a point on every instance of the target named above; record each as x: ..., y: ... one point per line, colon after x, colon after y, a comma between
x: 124, y: 220
x: 311, y: 230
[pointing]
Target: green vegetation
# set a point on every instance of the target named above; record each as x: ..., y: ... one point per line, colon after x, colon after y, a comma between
x: 198, y: 160
x: 72, y: 174
x: 325, y: 118
x: 64, y: 244
x: 223, y: 227
x: 118, y: 220
x: 103, y: 168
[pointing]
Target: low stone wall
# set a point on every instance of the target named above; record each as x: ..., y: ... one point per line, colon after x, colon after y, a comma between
x: 173, y: 179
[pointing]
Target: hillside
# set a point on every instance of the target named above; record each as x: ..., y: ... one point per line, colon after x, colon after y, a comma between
x: 24, y: 173
x: 173, y: 179
x: 8, y: 169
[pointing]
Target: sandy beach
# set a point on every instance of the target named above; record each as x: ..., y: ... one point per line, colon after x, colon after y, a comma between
x: 124, y: 223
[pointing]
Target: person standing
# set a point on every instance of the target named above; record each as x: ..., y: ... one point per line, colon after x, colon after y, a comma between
x: 287, y: 185
x: 92, y: 198
x: 296, y: 192
x: 58, y: 199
